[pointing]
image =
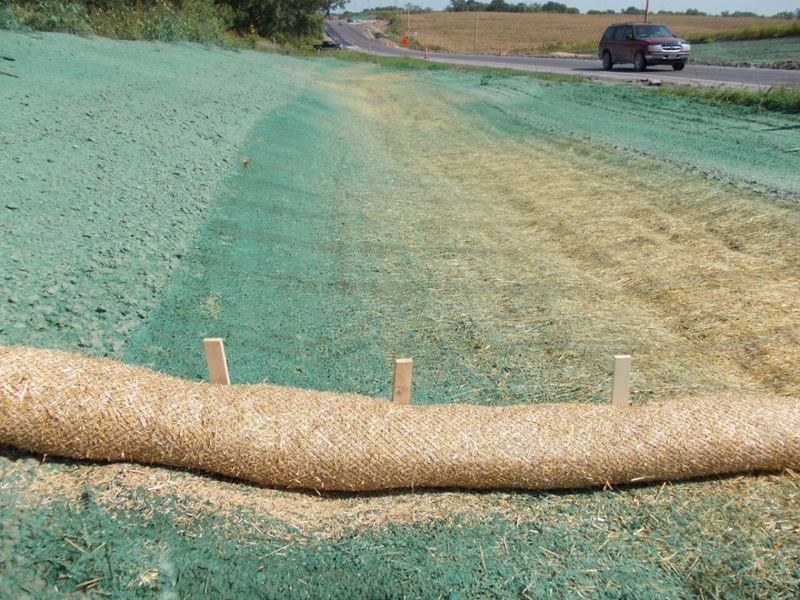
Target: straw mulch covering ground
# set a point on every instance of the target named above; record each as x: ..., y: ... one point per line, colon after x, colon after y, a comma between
x: 68, y: 405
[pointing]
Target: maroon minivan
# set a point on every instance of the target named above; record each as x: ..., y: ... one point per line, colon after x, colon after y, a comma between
x: 642, y: 44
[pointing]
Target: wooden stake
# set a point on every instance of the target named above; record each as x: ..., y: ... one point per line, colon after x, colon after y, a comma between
x: 622, y: 380
x: 401, y: 386
x: 215, y: 358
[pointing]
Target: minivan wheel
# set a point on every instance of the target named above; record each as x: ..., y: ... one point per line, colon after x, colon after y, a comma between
x: 639, y: 62
x: 678, y: 66
x: 608, y: 64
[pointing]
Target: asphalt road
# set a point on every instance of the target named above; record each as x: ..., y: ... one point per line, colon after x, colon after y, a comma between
x: 703, y: 75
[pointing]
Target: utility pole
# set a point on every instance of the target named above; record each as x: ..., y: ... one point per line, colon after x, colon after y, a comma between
x: 646, y: 9
x: 475, y: 45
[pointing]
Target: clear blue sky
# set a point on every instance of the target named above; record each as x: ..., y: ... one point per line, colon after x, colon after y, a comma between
x: 761, y: 7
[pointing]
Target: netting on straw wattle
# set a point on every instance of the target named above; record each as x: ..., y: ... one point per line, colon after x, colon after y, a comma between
x: 69, y: 405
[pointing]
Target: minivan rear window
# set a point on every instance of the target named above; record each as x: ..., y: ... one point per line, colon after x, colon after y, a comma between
x: 619, y: 34
x: 609, y: 34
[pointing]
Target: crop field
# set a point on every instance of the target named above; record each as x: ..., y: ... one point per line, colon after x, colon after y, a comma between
x: 510, y: 234
x: 543, y: 32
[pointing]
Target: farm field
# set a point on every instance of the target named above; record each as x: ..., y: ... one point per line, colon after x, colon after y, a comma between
x: 527, y: 33
x: 753, y: 52
x: 510, y: 234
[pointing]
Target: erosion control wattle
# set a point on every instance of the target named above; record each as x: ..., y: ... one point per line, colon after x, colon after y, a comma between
x: 68, y: 405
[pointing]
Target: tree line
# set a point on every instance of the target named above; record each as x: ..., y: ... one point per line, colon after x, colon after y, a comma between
x: 167, y: 20
x: 503, y: 6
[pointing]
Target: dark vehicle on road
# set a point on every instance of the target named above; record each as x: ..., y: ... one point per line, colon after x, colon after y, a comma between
x: 642, y: 44
x: 328, y: 45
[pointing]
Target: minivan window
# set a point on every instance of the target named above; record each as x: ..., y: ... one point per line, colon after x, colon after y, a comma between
x: 619, y: 34
x: 609, y: 34
x: 648, y: 31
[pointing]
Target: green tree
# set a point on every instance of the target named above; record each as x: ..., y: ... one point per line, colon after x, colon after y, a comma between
x: 278, y: 17
x: 498, y: 6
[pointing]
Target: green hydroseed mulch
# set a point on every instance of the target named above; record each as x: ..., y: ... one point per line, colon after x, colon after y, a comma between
x: 642, y: 543
x: 647, y: 541
x: 319, y: 277
x: 343, y: 244
x: 273, y: 270
x: 325, y: 292
x: 754, y: 52
x: 108, y: 166
x: 686, y: 134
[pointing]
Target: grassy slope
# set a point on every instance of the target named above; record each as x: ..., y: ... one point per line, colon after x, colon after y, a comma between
x: 756, y: 52
x: 511, y: 244
x: 758, y: 30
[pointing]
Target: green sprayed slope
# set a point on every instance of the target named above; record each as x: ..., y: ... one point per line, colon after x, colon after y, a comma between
x: 646, y: 543
x: 754, y: 52
x: 111, y: 154
x: 740, y: 145
x: 272, y: 273
x: 310, y: 267
x: 317, y: 276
